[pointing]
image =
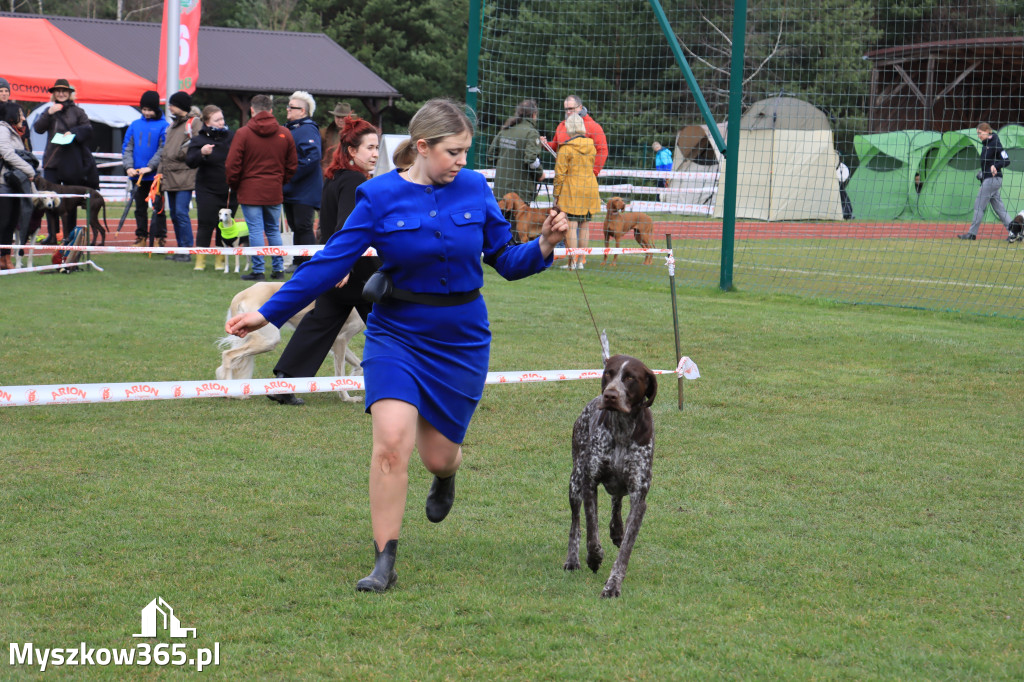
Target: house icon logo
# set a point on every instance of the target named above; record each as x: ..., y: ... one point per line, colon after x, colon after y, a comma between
x: 159, y: 611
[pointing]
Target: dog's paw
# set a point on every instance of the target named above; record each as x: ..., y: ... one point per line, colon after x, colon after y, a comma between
x: 594, y: 558
x: 572, y: 564
x: 611, y: 590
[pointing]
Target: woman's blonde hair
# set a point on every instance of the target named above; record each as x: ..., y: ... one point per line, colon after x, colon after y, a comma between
x: 436, y: 120
x: 574, y: 125
x: 208, y: 111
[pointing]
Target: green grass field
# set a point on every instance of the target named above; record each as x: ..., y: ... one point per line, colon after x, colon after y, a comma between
x: 985, y: 277
x: 839, y: 499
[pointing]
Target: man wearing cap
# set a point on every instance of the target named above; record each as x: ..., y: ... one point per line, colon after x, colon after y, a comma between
x: 140, y: 156
x: 5, y: 91
x: 178, y: 179
x: 66, y: 164
x: 331, y: 133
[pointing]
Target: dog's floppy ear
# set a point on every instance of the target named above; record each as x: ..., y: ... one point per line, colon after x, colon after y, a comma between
x: 652, y: 387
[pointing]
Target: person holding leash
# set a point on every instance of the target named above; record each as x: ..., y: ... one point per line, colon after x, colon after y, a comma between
x: 207, y: 153
x: 140, y: 153
x: 993, y: 160
x: 354, y: 159
x: 427, y: 339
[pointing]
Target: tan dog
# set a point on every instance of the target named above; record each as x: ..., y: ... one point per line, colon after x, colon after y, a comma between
x: 528, y: 221
x: 237, y: 361
x: 617, y: 224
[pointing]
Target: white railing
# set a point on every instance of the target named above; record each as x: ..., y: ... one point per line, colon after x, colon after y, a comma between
x: 700, y: 184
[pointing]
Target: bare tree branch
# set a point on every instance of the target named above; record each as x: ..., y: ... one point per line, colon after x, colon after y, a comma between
x: 778, y: 41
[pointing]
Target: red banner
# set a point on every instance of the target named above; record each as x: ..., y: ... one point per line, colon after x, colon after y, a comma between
x: 188, y: 52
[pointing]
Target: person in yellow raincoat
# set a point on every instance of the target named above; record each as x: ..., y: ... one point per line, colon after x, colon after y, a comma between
x: 576, y: 189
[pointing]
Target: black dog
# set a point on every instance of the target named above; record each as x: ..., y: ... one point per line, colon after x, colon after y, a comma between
x: 66, y: 209
x: 613, y: 445
x: 1016, y: 228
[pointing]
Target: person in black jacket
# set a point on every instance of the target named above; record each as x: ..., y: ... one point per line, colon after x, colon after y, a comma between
x: 66, y: 164
x: 207, y: 152
x: 993, y: 160
x: 354, y: 160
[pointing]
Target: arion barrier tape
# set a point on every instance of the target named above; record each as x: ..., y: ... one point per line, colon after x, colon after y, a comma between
x: 275, y: 250
x: 65, y: 394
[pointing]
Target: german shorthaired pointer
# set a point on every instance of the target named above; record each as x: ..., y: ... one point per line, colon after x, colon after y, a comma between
x: 613, y: 444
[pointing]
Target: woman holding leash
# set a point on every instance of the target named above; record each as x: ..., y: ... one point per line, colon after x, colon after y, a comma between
x: 354, y: 159
x: 427, y: 338
x: 207, y: 152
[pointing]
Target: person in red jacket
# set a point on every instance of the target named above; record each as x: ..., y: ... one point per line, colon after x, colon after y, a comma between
x: 261, y: 159
x: 574, y: 105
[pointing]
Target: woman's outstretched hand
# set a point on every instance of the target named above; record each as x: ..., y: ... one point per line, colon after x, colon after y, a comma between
x: 553, y: 230
x: 240, y: 325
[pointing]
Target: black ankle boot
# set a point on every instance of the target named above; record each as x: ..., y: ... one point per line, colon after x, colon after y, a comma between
x: 384, y: 574
x: 285, y: 398
x: 440, y: 498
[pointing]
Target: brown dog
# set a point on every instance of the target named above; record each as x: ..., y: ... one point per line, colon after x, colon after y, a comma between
x: 528, y: 221
x: 617, y: 224
x: 63, y: 210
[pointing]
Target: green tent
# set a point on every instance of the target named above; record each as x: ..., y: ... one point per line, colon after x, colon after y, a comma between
x: 882, y: 187
x: 950, y: 175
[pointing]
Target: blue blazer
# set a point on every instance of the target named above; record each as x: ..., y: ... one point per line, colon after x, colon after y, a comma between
x: 429, y: 238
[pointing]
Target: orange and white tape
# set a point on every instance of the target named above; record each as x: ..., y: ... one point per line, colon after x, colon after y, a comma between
x: 279, y: 250
x: 65, y: 394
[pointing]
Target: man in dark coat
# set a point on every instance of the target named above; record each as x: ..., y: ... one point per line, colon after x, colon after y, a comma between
x: 302, y: 193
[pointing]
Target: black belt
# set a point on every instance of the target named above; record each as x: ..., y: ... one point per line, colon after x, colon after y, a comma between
x: 443, y: 300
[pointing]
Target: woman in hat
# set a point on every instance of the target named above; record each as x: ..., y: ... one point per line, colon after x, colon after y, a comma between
x: 66, y: 164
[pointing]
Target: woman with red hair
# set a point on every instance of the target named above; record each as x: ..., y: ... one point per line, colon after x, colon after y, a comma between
x: 354, y: 159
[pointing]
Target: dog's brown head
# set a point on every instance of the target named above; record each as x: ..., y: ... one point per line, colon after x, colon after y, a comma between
x: 627, y: 385
x: 510, y: 202
x: 615, y: 205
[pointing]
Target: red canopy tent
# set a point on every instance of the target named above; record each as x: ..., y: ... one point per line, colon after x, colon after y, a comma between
x: 35, y: 53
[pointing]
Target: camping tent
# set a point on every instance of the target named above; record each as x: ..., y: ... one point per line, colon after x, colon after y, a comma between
x: 950, y: 175
x: 694, y: 153
x: 787, y: 163
x: 35, y: 54
x: 882, y: 187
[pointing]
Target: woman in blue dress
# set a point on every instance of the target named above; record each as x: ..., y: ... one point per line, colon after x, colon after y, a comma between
x: 427, y: 345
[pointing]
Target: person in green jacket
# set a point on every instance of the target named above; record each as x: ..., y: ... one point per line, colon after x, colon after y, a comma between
x: 515, y: 153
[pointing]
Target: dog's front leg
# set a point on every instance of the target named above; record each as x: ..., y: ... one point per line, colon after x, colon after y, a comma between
x: 615, y: 527
x: 572, y: 561
x: 637, y: 507
x: 595, y: 555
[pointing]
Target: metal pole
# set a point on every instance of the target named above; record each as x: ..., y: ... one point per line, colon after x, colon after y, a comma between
x: 673, y: 43
x: 739, y: 33
x: 173, y: 52
x: 675, y: 316
x: 476, y: 10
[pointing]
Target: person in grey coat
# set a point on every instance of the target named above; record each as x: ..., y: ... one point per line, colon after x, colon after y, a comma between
x: 11, y: 208
x: 993, y: 160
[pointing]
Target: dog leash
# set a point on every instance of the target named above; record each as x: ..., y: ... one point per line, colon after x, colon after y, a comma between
x: 602, y: 337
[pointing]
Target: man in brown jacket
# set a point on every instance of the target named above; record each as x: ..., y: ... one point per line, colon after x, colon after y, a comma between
x: 261, y: 159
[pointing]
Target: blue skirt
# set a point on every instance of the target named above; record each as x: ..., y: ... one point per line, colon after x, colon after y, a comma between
x: 433, y: 357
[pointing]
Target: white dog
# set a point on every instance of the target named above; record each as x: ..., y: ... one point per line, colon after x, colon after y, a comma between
x: 237, y: 361
x: 227, y: 226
